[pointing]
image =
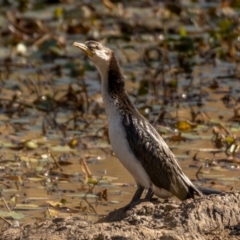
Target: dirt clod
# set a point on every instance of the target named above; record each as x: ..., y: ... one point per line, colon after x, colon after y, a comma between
x: 212, y: 217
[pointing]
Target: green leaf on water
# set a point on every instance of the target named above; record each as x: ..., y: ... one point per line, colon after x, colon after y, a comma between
x: 225, y: 25
x: 182, y: 31
x: 12, y: 214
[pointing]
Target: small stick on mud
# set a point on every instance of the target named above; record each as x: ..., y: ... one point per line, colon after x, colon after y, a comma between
x: 198, y: 172
x: 5, y: 220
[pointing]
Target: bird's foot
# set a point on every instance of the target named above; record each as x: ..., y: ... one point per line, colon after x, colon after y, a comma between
x: 149, y: 195
x: 151, y: 200
x: 130, y: 205
x: 136, y: 198
x: 134, y: 203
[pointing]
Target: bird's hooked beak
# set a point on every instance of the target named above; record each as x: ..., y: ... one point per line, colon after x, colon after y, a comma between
x: 84, y: 48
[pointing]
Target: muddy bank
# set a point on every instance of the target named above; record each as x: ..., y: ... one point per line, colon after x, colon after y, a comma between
x: 212, y: 217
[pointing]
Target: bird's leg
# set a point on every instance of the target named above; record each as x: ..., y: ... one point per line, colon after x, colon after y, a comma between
x: 149, y: 195
x: 135, y: 199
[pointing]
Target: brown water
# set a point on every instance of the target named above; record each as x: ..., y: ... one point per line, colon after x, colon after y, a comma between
x: 38, y: 187
x: 33, y: 132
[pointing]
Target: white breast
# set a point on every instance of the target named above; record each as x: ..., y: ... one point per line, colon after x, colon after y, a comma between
x: 122, y: 149
x: 120, y: 144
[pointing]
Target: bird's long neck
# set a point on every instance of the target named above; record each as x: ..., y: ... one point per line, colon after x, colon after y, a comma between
x: 115, y: 79
x: 113, y: 89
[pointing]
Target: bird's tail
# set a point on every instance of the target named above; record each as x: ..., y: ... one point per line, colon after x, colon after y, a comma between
x: 208, y: 191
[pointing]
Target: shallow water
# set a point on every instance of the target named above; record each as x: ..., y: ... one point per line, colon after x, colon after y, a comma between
x: 40, y: 122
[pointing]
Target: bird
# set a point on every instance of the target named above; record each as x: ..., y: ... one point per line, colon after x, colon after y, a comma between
x: 135, y: 142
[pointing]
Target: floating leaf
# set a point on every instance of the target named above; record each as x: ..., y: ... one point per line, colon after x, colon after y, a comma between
x: 230, y: 139
x: 51, y: 212
x: 55, y: 203
x: 92, y: 181
x: 27, y: 207
x: 60, y: 148
x: 31, y: 145
x: 29, y: 159
x: 58, y: 12
x: 81, y: 195
x: 35, y: 179
x: 177, y: 138
x: 182, y: 31
x: 114, y: 202
x: 109, y: 178
x: 63, y: 201
x: 185, y: 125
x: 143, y: 88
x: 12, y: 214
x: 102, y: 195
x: 225, y: 25
x: 73, y: 143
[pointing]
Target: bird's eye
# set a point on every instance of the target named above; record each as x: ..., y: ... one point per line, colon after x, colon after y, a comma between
x: 94, y: 47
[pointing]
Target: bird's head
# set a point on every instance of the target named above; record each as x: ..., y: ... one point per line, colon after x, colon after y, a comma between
x: 99, y: 54
x: 105, y: 61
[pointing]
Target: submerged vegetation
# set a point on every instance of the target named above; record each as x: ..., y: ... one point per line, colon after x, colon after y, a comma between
x: 181, y: 62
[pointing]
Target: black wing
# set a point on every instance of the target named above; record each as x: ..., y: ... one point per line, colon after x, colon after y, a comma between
x: 157, y: 159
